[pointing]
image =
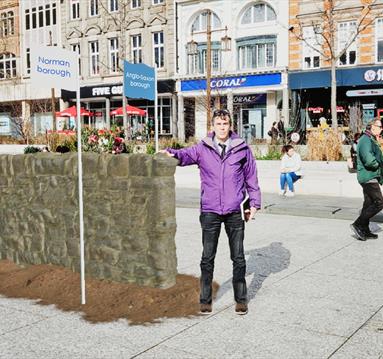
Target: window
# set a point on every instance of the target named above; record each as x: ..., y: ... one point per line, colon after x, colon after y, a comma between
x: 41, y: 16
x: 93, y: 8
x: 346, y: 30
x: 47, y: 15
x: 94, y: 58
x: 200, y: 23
x: 158, y: 49
x: 258, y: 52
x: 164, y: 113
x: 311, y: 58
x: 113, y: 55
x: 4, y: 25
x: 156, y: 2
x: 113, y: 5
x: 27, y: 19
x: 379, y: 40
x: 197, y: 62
x: 136, y: 43
x: 28, y: 59
x: 75, y: 9
x: 76, y: 48
x: 7, y: 66
x: 34, y: 18
x: 258, y: 13
x: 135, y: 4
x: 53, y: 14
x: 8, y: 26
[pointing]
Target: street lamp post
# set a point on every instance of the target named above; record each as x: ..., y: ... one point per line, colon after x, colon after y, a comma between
x: 192, y: 49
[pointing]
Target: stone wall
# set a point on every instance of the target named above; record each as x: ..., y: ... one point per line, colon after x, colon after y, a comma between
x: 129, y: 214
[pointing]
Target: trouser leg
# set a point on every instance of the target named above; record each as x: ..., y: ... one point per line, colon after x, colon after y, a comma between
x: 211, y: 227
x: 290, y: 182
x: 373, y: 203
x: 235, y: 229
x: 282, y: 181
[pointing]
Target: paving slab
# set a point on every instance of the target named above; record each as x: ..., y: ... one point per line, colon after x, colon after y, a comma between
x: 366, y: 342
x: 307, y: 300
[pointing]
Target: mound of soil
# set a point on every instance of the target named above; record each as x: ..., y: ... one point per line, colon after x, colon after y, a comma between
x: 106, y: 300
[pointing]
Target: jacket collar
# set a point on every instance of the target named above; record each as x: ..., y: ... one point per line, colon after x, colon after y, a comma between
x: 369, y: 134
x: 235, y: 140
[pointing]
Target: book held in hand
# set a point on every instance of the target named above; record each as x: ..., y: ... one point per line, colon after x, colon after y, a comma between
x: 245, y: 205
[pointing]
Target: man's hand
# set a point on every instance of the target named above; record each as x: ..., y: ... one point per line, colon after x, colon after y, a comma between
x: 167, y: 153
x: 250, y: 213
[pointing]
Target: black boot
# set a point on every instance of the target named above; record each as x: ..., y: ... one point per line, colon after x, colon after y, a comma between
x: 359, y: 231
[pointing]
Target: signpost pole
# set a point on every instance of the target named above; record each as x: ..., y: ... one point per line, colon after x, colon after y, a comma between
x: 156, y: 110
x: 80, y: 196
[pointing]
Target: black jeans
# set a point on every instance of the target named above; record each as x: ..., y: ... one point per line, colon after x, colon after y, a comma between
x: 235, y: 230
x: 373, y: 203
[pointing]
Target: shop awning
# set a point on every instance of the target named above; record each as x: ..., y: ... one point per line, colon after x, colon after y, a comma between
x: 346, y: 77
x: 130, y: 110
x: 72, y: 112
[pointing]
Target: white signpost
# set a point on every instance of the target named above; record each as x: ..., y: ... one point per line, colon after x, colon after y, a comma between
x: 52, y: 67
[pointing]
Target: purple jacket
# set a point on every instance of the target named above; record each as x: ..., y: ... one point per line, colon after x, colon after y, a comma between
x: 224, y: 182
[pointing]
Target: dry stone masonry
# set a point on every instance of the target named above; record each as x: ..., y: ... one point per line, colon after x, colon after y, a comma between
x: 129, y: 214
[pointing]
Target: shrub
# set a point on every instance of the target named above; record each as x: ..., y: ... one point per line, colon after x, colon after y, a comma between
x: 31, y: 149
x: 273, y: 153
x: 324, y: 145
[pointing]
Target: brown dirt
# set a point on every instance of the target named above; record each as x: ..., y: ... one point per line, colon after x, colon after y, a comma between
x: 106, y: 300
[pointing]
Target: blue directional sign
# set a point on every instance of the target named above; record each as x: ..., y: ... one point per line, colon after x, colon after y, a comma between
x: 139, y: 81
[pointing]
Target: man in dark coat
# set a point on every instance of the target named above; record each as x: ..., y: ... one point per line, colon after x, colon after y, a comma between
x: 369, y: 167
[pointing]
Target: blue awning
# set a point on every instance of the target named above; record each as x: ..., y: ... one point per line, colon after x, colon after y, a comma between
x: 357, y: 76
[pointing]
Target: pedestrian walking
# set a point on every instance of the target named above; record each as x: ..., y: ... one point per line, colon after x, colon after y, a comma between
x: 274, y: 133
x: 290, y: 170
x: 369, y: 174
x: 228, y: 171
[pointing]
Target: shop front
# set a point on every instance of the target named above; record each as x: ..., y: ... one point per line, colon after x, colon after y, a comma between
x: 102, y: 100
x: 359, y: 96
x: 251, y: 99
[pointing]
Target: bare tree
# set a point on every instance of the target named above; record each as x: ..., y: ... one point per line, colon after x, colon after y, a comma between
x: 326, y: 35
x: 120, y: 20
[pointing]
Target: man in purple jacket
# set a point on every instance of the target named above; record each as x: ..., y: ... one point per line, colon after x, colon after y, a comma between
x: 228, y: 171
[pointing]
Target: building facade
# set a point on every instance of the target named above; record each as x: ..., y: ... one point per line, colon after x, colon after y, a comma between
x: 250, y: 78
x: 9, y: 57
x: 35, y: 22
x: 359, y: 68
x: 104, y: 32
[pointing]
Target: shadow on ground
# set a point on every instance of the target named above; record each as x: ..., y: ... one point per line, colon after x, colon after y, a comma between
x: 260, y: 263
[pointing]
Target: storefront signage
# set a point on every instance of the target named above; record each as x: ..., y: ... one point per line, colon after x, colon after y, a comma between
x: 368, y: 106
x: 232, y: 82
x: 373, y: 75
x: 106, y: 91
x: 357, y: 93
x: 315, y: 109
x: 357, y: 76
x: 247, y: 99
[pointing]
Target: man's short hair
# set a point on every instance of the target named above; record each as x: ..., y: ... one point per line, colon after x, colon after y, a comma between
x: 223, y: 114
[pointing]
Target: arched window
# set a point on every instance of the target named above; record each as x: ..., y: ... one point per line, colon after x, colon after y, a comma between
x: 7, y: 66
x: 200, y: 22
x: 258, y: 13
